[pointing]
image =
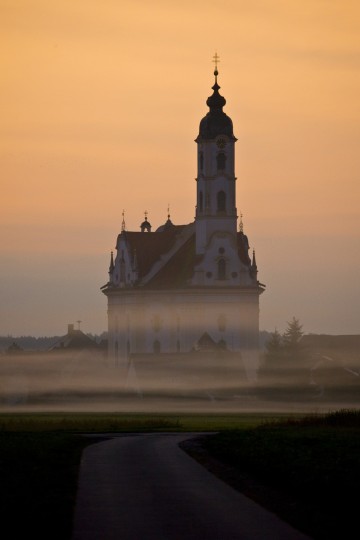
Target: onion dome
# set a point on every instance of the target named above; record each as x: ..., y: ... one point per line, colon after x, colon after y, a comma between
x: 145, y: 226
x: 216, y: 122
x: 167, y: 225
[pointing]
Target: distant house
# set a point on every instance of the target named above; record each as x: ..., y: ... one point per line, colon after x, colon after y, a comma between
x: 74, y: 340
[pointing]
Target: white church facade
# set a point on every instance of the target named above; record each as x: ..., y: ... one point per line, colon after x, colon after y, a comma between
x: 183, y: 288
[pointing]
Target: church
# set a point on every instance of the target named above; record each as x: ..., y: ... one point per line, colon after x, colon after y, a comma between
x: 185, y: 291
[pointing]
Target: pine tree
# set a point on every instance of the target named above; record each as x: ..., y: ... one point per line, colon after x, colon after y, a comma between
x: 292, y: 338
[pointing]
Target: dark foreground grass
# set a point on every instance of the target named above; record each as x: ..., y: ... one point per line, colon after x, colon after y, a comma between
x: 306, y: 470
x: 38, y: 477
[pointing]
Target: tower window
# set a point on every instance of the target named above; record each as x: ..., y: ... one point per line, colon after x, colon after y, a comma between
x: 221, y: 161
x: 221, y: 201
x: 221, y: 269
x: 201, y: 161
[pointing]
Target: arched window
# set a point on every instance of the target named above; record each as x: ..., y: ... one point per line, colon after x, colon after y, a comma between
x: 221, y: 161
x: 201, y: 201
x: 221, y: 201
x: 156, y: 346
x: 201, y: 161
x: 221, y: 269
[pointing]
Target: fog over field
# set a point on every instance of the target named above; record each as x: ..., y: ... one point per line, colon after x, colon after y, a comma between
x: 211, y: 383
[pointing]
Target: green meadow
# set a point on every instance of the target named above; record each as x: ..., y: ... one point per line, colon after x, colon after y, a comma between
x: 305, y: 469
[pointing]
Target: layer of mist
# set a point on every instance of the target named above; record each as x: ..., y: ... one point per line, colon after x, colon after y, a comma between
x: 87, y: 381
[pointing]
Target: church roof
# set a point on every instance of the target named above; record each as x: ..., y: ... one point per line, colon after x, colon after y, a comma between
x: 177, y: 271
x: 150, y: 246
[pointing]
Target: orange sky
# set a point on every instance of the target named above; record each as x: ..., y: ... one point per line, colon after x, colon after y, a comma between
x: 100, y: 105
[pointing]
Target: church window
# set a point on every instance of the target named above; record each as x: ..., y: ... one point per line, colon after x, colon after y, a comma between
x: 201, y: 161
x: 156, y: 346
x: 221, y: 250
x: 178, y: 346
x: 128, y: 347
x: 221, y: 269
x: 221, y: 161
x: 209, y: 274
x: 201, y: 202
x: 221, y: 201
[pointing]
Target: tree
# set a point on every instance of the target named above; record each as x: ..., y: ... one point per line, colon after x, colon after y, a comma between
x: 274, y: 345
x: 273, y: 354
x: 293, y: 334
x: 292, y: 339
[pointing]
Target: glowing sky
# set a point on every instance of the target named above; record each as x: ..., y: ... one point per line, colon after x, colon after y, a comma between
x: 100, y: 105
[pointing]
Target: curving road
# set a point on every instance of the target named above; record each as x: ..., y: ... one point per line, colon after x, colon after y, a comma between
x: 144, y: 487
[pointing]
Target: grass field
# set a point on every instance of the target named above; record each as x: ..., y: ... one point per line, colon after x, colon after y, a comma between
x: 307, y: 470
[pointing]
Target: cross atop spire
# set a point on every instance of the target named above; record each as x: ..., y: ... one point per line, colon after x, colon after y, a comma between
x: 123, y: 227
x: 216, y: 60
x: 168, y: 210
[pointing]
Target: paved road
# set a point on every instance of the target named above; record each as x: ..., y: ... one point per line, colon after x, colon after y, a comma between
x: 144, y: 487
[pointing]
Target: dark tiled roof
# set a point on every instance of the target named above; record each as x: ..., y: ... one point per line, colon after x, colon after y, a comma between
x: 150, y: 246
x: 177, y: 272
x: 76, y: 339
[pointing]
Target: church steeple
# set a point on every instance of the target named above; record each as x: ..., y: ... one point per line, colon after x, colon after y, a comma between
x: 216, y: 122
x: 215, y: 209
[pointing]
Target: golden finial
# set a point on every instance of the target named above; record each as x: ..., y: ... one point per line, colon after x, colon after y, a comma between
x: 146, y: 215
x: 123, y: 221
x: 168, y: 210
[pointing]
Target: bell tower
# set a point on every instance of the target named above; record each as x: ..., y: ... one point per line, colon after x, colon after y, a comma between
x: 216, y: 193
